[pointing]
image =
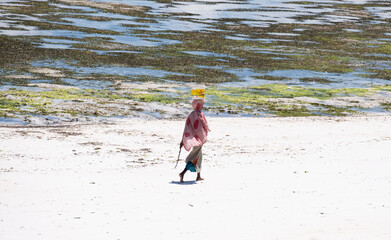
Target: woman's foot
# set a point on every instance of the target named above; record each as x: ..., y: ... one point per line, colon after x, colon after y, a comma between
x: 182, y: 174
x: 181, y: 177
x: 199, y: 178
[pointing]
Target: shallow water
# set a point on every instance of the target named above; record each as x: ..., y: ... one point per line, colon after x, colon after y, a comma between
x: 221, y: 42
x: 179, y: 17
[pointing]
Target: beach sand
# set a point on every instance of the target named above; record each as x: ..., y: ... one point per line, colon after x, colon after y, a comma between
x: 265, y: 178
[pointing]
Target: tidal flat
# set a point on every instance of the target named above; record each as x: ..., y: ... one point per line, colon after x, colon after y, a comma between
x: 68, y: 60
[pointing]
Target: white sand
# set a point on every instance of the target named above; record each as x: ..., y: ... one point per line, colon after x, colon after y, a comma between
x: 265, y: 178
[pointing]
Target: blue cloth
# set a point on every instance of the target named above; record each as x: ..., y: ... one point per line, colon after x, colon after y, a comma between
x: 190, y: 166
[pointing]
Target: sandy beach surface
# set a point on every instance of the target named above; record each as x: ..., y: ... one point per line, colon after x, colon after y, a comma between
x: 265, y: 178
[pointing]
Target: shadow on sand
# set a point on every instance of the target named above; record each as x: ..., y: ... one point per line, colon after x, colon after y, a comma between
x: 184, y: 182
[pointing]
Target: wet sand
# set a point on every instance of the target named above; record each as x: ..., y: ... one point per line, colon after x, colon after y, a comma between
x: 265, y: 178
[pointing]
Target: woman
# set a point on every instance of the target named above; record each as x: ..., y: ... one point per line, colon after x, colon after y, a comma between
x: 194, y: 136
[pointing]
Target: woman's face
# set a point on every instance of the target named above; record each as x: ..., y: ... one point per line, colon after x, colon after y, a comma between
x: 198, y: 104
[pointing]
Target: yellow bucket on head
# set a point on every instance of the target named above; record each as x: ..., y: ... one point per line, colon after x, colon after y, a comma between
x: 198, y: 91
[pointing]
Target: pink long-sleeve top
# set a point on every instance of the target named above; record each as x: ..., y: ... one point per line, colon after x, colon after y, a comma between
x: 196, y: 128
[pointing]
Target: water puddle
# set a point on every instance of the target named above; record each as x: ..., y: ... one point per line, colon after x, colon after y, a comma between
x: 11, y: 121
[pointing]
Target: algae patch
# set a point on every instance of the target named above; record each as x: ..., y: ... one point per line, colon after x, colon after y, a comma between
x: 171, y: 101
x: 284, y: 100
x: 74, y: 102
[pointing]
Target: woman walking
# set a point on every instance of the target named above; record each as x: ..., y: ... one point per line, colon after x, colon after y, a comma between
x: 194, y: 137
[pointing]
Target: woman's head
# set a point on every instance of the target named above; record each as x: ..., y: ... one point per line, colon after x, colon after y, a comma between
x: 198, y: 104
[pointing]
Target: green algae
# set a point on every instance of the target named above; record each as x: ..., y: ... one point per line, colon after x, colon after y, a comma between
x: 315, y: 79
x: 271, y: 78
x: 8, y: 105
x: 379, y: 73
x: 384, y: 49
x: 261, y: 98
x: 45, y: 102
x: 319, y: 47
x: 153, y: 97
x: 284, y: 91
x: 15, y: 105
x: 386, y: 106
x: 382, y: 87
x: 79, y: 95
x: 269, y: 99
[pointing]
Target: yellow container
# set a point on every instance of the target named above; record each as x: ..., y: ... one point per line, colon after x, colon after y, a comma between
x: 198, y: 91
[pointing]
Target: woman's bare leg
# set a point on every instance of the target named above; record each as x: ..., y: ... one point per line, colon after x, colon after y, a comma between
x: 182, y: 174
x: 199, y: 178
